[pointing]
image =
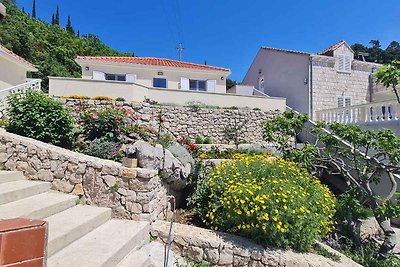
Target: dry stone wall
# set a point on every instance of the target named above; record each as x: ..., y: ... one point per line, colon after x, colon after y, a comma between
x: 131, y: 193
x: 220, y: 249
x: 186, y: 121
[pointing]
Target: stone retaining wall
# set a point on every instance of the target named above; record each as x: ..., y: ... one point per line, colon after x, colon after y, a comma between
x: 220, y: 249
x: 131, y: 193
x: 187, y: 121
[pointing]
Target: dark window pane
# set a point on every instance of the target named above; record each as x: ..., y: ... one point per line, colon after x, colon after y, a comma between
x: 110, y: 77
x: 192, y: 84
x: 121, y: 78
x: 202, y: 86
x: 160, y: 83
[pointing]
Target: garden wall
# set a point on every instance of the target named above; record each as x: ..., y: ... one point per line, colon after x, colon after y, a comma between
x: 131, y: 193
x: 187, y: 121
x: 220, y: 249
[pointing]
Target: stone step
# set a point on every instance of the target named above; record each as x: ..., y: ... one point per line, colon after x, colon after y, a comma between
x: 38, y: 206
x: 105, y: 246
x: 9, y: 176
x: 67, y: 226
x: 137, y: 258
x: 16, y: 190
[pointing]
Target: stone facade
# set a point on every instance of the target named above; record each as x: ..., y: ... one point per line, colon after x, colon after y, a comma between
x: 131, y: 193
x: 220, y: 249
x: 328, y: 84
x: 186, y: 121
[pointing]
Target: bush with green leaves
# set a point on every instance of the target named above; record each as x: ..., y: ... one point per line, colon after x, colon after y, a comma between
x: 267, y: 199
x: 101, y: 148
x: 106, y: 123
x: 36, y: 115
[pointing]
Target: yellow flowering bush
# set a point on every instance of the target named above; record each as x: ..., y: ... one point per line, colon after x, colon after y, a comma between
x: 267, y: 199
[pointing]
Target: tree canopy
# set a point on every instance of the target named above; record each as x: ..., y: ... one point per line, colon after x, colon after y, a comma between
x: 51, y: 48
x: 376, y: 53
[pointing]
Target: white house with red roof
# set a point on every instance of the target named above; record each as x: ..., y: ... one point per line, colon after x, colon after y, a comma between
x: 158, y: 79
x: 155, y: 72
x: 13, y: 69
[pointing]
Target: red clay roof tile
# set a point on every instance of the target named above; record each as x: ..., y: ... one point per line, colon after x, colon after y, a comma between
x: 11, y: 53
x: 153, y: 62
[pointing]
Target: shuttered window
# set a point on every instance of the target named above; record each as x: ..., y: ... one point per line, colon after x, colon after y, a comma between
x: 343, y: 63
x: 343, y: 101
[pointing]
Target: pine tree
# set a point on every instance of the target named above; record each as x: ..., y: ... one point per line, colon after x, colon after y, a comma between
x: 69, y: 26
x: 57, y: 18
x: 34, y: 9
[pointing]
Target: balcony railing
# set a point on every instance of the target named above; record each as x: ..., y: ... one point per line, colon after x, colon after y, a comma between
x: 34, y: 84
x: 366, y: 113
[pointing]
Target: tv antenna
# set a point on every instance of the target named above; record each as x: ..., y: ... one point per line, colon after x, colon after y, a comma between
x: 362, y: 55
x: 180, y: 51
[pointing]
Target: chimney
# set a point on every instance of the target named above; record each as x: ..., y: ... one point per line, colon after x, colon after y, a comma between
x: 2, y: 12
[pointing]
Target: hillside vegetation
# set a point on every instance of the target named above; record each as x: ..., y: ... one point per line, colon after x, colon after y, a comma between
x: 51, y: 48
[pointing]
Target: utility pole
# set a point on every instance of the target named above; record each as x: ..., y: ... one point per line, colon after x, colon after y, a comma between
x: 180, y: 51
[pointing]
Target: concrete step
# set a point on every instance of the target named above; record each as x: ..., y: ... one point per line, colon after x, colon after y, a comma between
x: 9, y: 176
x: 137, y: 258
x: 67, y: 226
x: 16, y: 190
x: 156, y: 250
x: 38, y: 206
x: 105, y: 246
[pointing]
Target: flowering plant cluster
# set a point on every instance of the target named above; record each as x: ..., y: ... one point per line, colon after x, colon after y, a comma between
x: 268, y: 199
x: 117, y: 154
x: 190, y: 146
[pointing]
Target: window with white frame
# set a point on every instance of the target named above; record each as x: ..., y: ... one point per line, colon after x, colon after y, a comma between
x: 343, y: 63
x: 197, y: 85
x: 115, y: 77
x: 160, y: 82
x: 343, y: 101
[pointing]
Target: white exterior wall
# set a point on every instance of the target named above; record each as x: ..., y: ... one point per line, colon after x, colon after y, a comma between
x: 145, y: 75
x: 134, y: 92
x: 11, y: 73
x: 285, y: 75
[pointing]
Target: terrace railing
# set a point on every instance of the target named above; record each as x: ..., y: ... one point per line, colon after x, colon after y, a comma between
x: 358, y: 114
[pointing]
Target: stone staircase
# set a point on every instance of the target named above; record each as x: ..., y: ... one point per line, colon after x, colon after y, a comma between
x: 78, y: 235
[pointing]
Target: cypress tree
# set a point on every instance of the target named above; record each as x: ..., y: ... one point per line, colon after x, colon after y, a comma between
x: 52, y: 20
x: 57, y: 18
x: 78, y: 34
x: 69, y: 26
x: 34, y: 9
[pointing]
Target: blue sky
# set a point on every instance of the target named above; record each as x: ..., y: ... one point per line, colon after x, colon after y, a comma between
x: 226, y: 33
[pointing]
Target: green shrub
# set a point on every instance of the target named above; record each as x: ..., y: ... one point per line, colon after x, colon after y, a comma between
x: 120, y: 99
x: 105, y: 123
x: 257, y: 109
x: 34, y: 114
x: 268, y: 199
x: 198, y: 140
x: 100, y: 148
x: 207, y: 140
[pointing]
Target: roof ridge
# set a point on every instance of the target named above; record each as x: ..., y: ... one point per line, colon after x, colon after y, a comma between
x: 16, y: 56
x: 142, y: 61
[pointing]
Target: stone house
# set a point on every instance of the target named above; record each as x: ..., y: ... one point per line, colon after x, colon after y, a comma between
x: 311, y: 82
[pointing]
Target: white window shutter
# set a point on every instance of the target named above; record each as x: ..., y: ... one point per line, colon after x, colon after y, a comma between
x: 340, y: 102
x: 347, y: 63
x: 211, y: 84
x: 347, y: 101
x: 184, y: 83
x: 98, y: 75
x: 340, y: 63
x: 130, y: 77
